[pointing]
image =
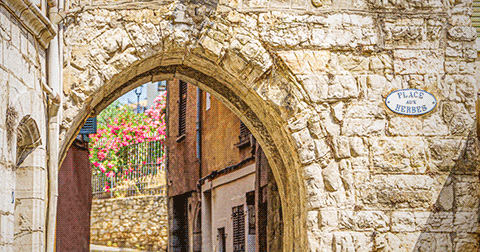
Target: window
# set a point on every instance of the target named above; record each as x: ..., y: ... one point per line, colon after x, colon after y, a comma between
x: 222, y: 247
x: 182, y: 109
x: 251, y: 212
x: 238, y: 219
x: 244, y: 136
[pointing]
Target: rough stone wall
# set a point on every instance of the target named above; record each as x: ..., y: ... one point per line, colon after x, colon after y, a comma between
x: 22, y: 187
x: 133, y: 222
x: 309, y: 79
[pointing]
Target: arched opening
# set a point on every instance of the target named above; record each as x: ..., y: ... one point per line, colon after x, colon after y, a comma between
x: 265, y: 119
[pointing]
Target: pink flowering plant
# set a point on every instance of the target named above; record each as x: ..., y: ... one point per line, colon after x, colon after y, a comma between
x: 119, y: 127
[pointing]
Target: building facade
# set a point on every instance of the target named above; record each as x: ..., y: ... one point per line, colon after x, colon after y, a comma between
x: 216, y: 177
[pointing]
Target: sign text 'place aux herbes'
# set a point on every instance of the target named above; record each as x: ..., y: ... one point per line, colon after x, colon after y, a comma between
x: 410, y: 102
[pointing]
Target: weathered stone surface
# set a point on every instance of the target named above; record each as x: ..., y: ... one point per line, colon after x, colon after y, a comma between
x: 132, y: 222
x: 313, y: 75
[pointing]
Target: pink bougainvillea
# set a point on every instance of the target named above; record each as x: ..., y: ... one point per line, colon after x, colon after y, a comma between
x: 120, y: 126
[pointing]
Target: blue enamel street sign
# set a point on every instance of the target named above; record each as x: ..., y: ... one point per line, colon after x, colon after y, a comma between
x: 410, y: 102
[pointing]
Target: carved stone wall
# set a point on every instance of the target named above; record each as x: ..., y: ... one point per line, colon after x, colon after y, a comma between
x: 309, y: 79
x: 24, y: 35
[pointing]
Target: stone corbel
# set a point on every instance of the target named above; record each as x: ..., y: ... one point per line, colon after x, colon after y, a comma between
x: 32, y: 19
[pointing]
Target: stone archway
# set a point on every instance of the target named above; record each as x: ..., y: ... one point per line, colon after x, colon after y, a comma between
x: 246, y: 78
x: 310, y: 80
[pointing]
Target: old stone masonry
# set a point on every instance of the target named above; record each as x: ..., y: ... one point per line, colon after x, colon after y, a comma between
x: 308, y: 77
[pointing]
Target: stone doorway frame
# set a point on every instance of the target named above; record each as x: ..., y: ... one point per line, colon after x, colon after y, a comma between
x: 261, y: 116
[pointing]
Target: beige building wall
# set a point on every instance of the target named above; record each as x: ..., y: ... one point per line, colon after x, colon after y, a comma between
x: 226, y: 192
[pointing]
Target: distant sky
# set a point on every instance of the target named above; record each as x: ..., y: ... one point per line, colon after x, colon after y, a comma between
x: 131, y: 97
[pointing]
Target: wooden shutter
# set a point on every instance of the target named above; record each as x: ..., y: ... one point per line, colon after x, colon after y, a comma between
x: 476, y: 16
x: 182, y: 109
x: 238, y: 219
x: 244, y: 131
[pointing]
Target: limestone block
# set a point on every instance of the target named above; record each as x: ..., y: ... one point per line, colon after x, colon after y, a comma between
x: 466, y: 222
x: 331, y: 177
x: 434, y: 222
x: 30, y: 241
x: 462, y: 33
x: 360, y: 164
x: 346, y: 174
x: 319, y: 241
x: 400, y: 191
x: 316, y: 86
x: 315, y: 189
x: 327, y: 121
x: 375, y: 87
x: 343, y: 86
x: 456, y: 117
x: 397, y: 155
x: 321, y: 148
x: 371, y: 221
x: 306, y: 145
x: 363, y: 241
x: 364, y: 127
x: 466, y: 242
x: 405, y: 126
x: 31, y: 181
x: 343, y: 241
x: 337, y: 110
x: 459, y: 67
x: 346, y: 220
x: 395, y: 241
x: 312, y: 220
x: 418, y: 62
x: 327, y: 220
x: 306, y: 61
x: 467, y: 195
x: 365, y: 110
x: 443, y: 153
x: 433, y: 242
x: 342, y: 147
x: 403, y: 222
x: 433, y: 125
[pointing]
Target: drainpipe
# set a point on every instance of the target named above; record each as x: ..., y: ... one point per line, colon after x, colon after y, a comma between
x: 55, y: 115
x: 199, y: 131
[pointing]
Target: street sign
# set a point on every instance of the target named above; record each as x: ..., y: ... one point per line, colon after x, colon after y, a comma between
x: 411, y: 102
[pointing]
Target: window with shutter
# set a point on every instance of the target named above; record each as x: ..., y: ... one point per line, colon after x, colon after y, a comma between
x: 182, y: 109
x: 238, y: 219
x: 244, y: 136
x: 476, y: 16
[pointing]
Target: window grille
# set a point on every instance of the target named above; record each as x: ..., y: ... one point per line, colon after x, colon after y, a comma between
x: 182, y: 109
x: 238, y: 219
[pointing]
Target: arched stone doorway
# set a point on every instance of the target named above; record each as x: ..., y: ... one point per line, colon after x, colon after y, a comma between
x: 251, y: 82
x: 310, y: 82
